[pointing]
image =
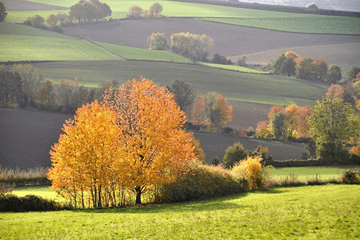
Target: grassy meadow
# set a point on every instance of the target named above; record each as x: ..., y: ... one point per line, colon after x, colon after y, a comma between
x: 257, y: 88
x: 233, y: 67
x: 282, y: 21
x: 143, y: 54
x: 281, y: 213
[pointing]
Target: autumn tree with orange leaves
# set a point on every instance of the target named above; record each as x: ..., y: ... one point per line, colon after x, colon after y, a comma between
x: 133, y: 139
x: 85, y: 159
x: 154, y: 145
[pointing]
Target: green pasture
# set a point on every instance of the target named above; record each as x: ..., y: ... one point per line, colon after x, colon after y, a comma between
x: 304, y: 24
x: 44, y: 192
x: 291, y: 22
x: 20, y: 29
x: 311, y: 212
x: 21, y: 16
x: 32, y: 48
x: 232, y: 67
x: 304, y: 173
x: 143, y: 54
x: 268, y: 89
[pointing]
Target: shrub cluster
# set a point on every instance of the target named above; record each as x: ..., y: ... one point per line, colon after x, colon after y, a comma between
x: 11, y: 203
x: 351, y: 175
x: 201, y: 182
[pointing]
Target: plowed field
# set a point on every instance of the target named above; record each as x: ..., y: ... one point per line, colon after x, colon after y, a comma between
x: 27, y: 136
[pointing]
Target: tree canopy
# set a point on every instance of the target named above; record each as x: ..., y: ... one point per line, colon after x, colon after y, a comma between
x: 3, y: 12
x: 89, y: 11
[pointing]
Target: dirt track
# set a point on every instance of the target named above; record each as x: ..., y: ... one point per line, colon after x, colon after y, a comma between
x: 229, y: 40
x: 27, y: 136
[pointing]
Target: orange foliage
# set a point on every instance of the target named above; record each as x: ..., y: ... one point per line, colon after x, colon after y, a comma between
x: 154, y: 144
x: 303, y: 127
x: 274, y: 110
x: 263, y: 130
x: 294, y: 56
x: 292, y: 113
x: 83, y: 159
x: 335, y: 91
x: 198, y: 110
x: 225, y: 110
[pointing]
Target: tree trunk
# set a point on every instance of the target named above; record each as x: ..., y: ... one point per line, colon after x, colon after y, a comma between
x: 138, y: 195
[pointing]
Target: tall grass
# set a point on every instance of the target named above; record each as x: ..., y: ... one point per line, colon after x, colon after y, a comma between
x: 28, y: 177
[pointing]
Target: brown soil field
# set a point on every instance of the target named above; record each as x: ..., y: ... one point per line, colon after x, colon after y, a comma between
x: 341, y: 54
x: 230, y: 40
x: 23, y: 5
x: 247, y: 114
x: 27, y: 136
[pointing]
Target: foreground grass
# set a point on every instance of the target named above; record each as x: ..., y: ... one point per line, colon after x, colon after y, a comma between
x: 281, y: 213
x: 258, y: 88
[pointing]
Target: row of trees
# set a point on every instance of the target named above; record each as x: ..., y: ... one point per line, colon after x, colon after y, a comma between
x: 89, y: 11
x: 211, y: 110
x: 133, y: 139
x: 196, y: 47
x: 291, y: 64
x: 3, y: 12
x: 24, y: 86
x: 153, y: 12
x: 330, y: 125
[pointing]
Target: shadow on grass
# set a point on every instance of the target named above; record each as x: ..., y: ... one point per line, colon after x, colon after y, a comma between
x: 221, y: 203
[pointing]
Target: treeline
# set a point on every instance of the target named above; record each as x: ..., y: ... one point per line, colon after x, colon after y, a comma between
x: 82, y: 12
x: 136, y: 12
x: 196, y: 47
x: 330, y: 127
x: 24, y: 86
x: 291, y: 64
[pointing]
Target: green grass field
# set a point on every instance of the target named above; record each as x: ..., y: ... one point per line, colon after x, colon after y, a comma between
x: 311, y: 212
x: 233, y: 67
x: 258, y: 88
x: 291, y: 22
x: 143, y: 54
x: 304, y: 173
x: 303, y: 24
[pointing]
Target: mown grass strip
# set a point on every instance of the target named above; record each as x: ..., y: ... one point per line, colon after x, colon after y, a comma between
x: 281, y: 213
x: 233, y: 67
x: 304, y: 24
x: 143, y: 54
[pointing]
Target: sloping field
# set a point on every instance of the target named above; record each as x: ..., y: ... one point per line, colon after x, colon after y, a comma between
x: 27, y: 136
x: 21, y: 16
x: 23, y: 43
x: 257, y: 88
x: 229, y: 39
x: 290, y: 22
x: 233, y: 67
x: 312, y: 212
x: 303, y: 23
x: 341, y: 54
x: 143, y: 54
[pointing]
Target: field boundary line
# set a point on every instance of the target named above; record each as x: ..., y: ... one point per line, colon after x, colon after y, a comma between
x: 114, y: 53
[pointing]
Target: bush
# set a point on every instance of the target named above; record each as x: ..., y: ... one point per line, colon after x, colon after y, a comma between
x: 201, y: 182
x: 215, y: 161
x: 57, y: 29
x: 221, y: 59
x: 234, y: 154
x: 251, y: 170
x: 11, y: 203
x: 351, y: 175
